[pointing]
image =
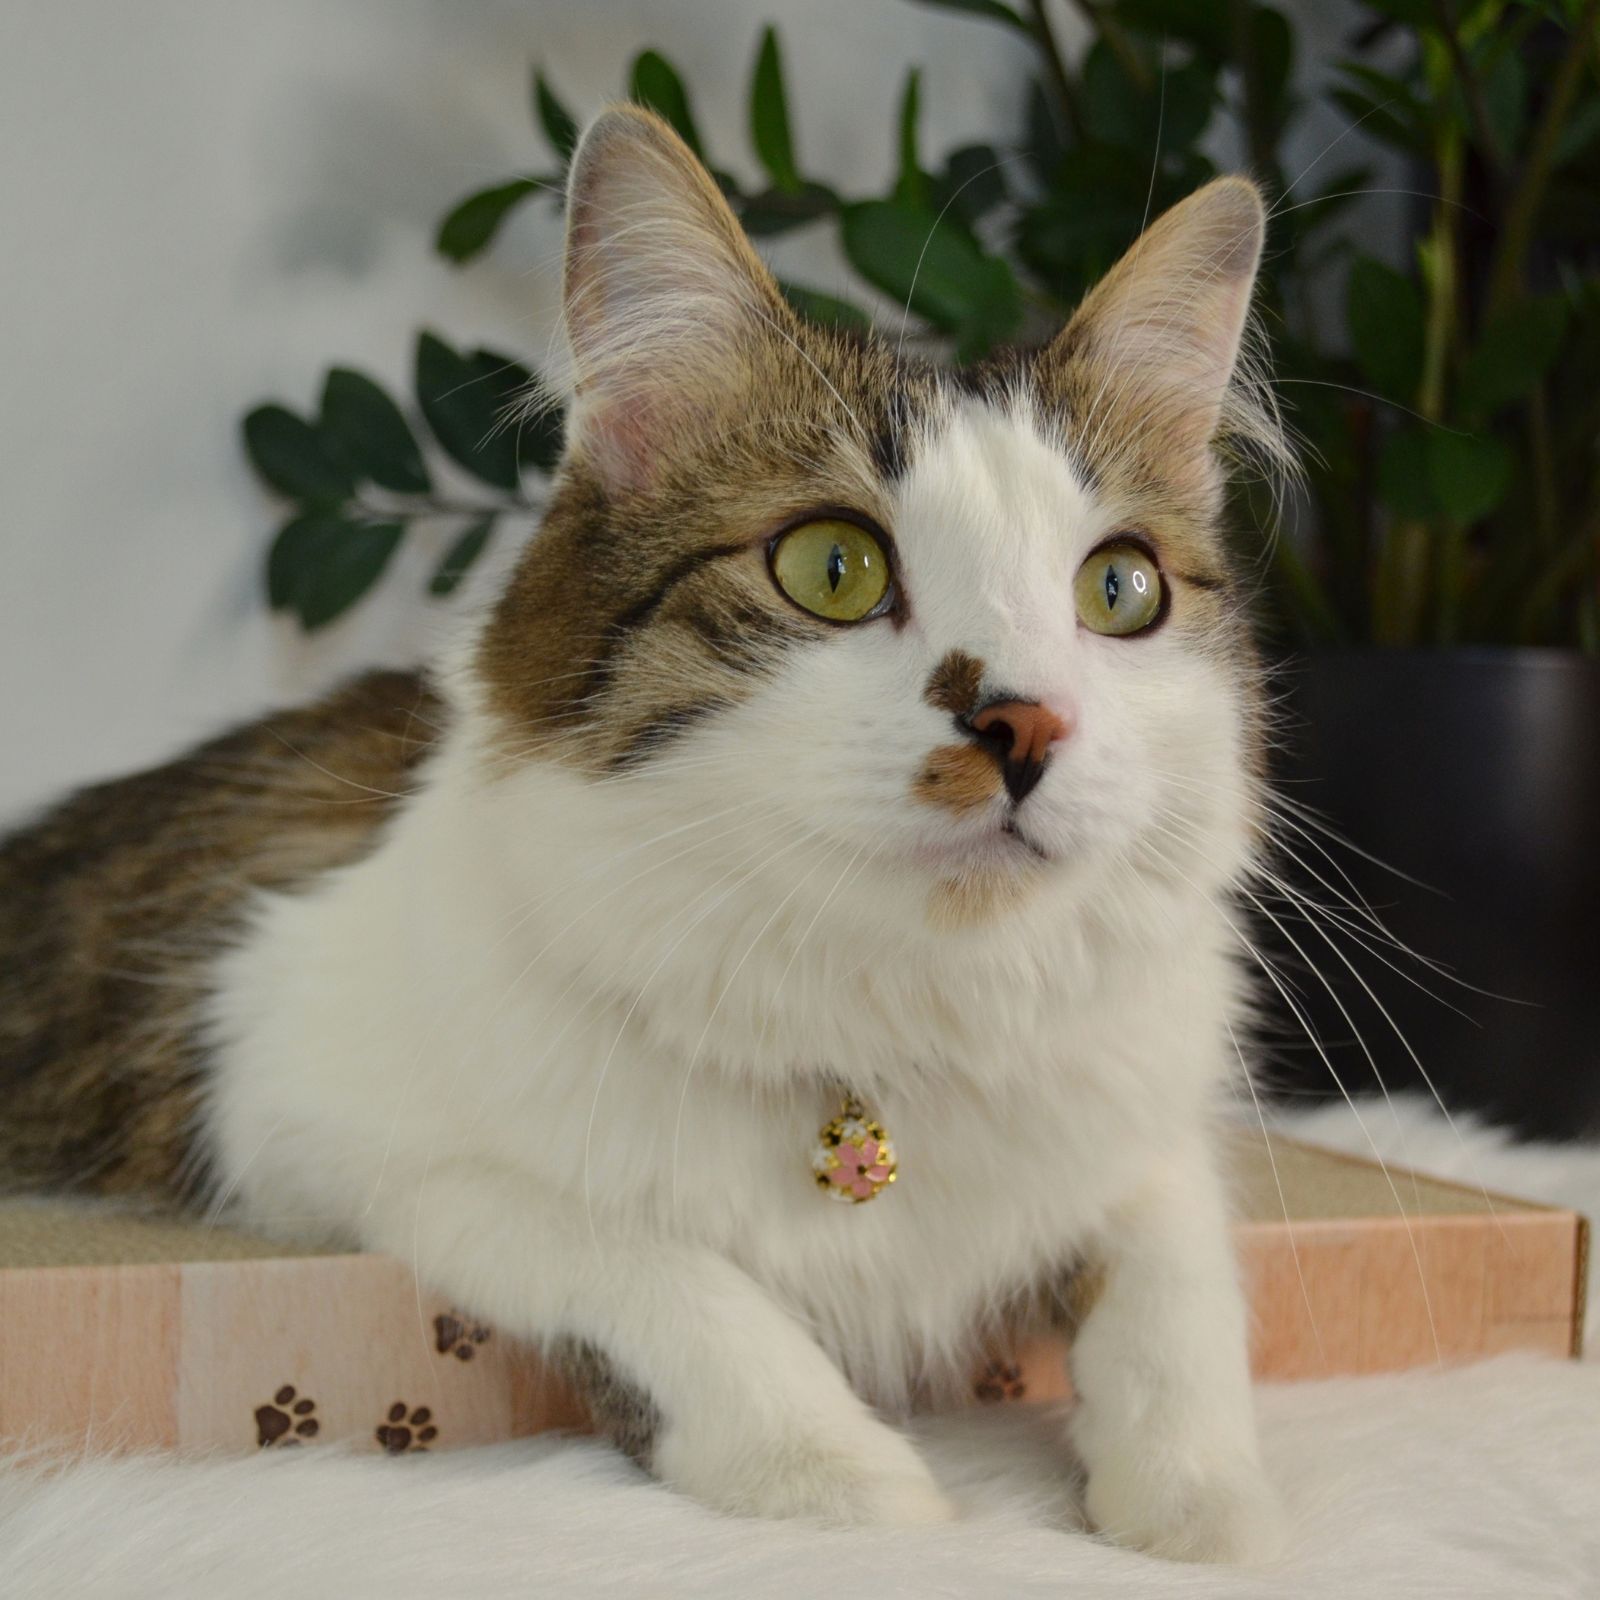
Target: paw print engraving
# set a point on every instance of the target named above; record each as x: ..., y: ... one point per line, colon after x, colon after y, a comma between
x: 288, y: 1420
x: 406, y: 1430
x: 1001, y: 1380
x: 454, y: 1336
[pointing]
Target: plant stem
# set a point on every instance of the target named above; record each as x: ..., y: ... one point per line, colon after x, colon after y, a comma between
x: 1505, y: 275
x: 1402, y: 577
x: 1444, y: 287
x: 1259, y: 130
x: 1589, y: 624
x: 1544, y: 468
x: 1318, y: 616
x: 430, y: 507
x: 1576, y: 560
x: 1441, y: 280
x: 1450, y: 575
x: 1104, y: 20
x: 1045, y: 35
x: 1471, y: 88
x: 1414, y: 547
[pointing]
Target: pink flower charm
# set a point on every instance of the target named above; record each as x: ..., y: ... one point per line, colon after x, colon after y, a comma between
x: 860, y: 1170
x: 853, y: 1160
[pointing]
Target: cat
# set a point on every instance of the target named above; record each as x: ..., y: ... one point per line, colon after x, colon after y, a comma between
x: 859, y: 743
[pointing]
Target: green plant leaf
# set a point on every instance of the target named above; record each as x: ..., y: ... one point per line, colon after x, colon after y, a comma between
x: 1272, y: 53
x: 1205, y: 24
x: 776, y: 211
x: 463, y: 551
x: 1090, y: 215
x: 559, y: 124
x: 769, y: 116
x: 1375, y: 119
x: 973, y: 183
x: 295, y: 457
x: 1118, y: 111
x: 655, y: 83
x: 1110, y: 103
x: 1339, y: 193
x: 917, y: 257
x: 1391, y: 114
x: 1387, y: 87
x: 826, y: 309
x: 992, y: 9
x: 1582, y: 128
x: 294, y: 550
x: 1307, y: 594
x: 1505, y: 96
x: 1043, y: 145
x: 467, y: 399
x: 911, y: 183
x: 1570, y: 214
x: 1405, y: 477
x: 341, y: 568
x: 1417, y: 13
x: 1513, y: 354
x: 371, y: 433
x: 1383, y: 309
x: 321, y: 563
x: 470, y: 225
x: 1469, y: 473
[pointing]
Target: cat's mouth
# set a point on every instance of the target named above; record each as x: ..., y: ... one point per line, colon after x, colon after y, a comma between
x: 1006, y: 846
x: 1011, y: 830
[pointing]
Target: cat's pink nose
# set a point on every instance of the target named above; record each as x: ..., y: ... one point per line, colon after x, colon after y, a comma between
x: 1020, y: 733
x: 1029, y: 727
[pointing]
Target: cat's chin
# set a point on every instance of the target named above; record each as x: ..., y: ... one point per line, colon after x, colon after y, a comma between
x: 1006, y: 849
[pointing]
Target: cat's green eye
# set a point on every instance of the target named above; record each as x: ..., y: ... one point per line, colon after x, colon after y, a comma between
x: 1118, y: 589
x: 833, y: 569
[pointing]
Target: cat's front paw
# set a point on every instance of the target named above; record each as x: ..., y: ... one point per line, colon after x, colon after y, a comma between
x: 1227, y: 1515
x: 865, y: 1476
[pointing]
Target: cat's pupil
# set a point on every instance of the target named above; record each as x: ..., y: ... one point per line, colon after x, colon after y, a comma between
x: 835, y: 568
x: 1113, y: 587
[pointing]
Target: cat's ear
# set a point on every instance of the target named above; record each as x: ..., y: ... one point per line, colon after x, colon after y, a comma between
x: 665, y: 300
x: 1162, y: 331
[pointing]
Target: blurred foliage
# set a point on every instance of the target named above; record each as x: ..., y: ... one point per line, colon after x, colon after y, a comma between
x: 358, y: 475
x: 1449, y: 407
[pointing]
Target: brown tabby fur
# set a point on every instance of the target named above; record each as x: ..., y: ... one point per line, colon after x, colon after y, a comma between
x: 111, y: 904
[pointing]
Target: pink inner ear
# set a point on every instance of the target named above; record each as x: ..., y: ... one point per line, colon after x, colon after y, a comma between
x: 1218, y: 337
x: 662, y: 295
x: 616, y: 434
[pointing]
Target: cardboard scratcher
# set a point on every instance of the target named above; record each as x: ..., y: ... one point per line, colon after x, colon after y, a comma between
x: 120, y: 1332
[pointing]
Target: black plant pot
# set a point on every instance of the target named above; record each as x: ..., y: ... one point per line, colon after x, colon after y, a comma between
x: 1477, y: 773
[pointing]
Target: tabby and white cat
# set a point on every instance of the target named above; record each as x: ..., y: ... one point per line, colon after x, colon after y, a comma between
x: 852, y: 727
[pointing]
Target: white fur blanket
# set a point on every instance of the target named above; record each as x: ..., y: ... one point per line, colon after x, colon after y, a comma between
x: 1482, y: 1482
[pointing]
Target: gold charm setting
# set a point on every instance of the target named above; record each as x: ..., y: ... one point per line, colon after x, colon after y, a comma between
x: 854, y: 1159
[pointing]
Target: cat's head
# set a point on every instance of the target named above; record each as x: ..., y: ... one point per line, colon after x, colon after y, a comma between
x: 977, y: 627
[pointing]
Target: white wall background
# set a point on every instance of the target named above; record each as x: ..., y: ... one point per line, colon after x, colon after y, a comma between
x: 203, y: 203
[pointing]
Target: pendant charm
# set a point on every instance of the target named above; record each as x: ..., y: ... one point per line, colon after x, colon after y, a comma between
x: 853, y: 1160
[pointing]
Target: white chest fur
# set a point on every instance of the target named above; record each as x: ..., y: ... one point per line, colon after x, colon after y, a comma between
x: 665, y: 1077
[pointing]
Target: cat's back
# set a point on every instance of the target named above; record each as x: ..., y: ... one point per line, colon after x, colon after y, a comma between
x: 112, y: 902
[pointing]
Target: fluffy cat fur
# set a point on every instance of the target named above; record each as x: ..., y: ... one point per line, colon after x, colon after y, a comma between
x: 543, y: 974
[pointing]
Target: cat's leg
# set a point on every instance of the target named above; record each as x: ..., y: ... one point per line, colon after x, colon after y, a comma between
x: 691, y: 1365
x: 1165, y: 1423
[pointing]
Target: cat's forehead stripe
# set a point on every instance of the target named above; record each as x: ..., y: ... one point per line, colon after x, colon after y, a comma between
x: 637, y: 617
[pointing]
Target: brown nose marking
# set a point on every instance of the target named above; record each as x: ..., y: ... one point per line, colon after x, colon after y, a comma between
x: 955, y: 684
x: 958, y: 777
x: 1018, y: 734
